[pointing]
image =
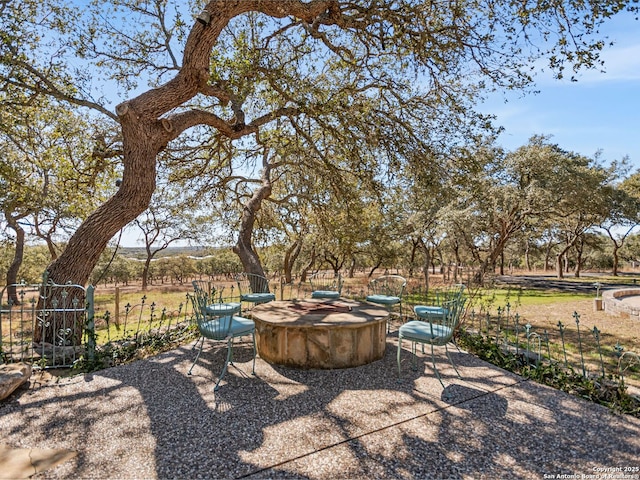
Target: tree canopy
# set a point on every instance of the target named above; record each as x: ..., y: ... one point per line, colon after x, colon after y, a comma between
x: 378, y: 83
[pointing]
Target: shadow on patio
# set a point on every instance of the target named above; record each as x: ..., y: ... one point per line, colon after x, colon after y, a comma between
x: 149, y: 419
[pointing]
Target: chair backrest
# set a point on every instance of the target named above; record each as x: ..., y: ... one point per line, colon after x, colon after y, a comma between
x: 252, y: 283
x: 327, y: 281
x: 215, y: 327
x: 391, y: 285
x: 213, y: 292
x: 454, y: 309
x: 204, y: 286
x: 452, y: 293
x: 451, y: 314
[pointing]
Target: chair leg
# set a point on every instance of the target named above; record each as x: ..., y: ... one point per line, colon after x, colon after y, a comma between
x: 451, y: 361
x: 414, y: 359
x: 389, y: 320
x: 231, y: 350
x: 197, y: 356
x: 195, y: 345
x: 226, y: 364
x: 253, y: 368
x: 435, y: 369
x: 399, y: 349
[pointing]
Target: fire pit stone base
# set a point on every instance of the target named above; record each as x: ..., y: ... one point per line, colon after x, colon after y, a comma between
x: 320, y: 334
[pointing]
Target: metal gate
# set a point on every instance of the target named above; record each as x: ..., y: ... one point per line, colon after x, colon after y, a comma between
x: 45, y: 324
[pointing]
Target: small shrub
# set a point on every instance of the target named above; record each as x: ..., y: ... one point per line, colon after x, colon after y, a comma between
x: 610, y: 392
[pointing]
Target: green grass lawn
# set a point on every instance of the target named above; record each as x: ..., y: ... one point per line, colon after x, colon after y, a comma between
x: 525, y: 297
x: 502, y: 296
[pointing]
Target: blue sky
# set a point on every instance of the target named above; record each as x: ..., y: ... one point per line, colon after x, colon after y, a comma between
x: 599, y: 112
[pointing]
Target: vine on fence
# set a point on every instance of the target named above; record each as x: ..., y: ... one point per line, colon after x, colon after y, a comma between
x: 490, y: 341
x: 149, y: 338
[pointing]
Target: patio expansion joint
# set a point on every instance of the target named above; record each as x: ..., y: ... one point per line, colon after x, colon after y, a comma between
x: 381, y: 429
x: 31, y: 460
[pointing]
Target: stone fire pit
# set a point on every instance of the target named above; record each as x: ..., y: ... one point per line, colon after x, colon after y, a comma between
x: 320, y: 333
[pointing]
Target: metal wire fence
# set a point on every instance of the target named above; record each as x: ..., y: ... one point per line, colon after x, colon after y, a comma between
x: 571, y: 344
x: 39, y: 324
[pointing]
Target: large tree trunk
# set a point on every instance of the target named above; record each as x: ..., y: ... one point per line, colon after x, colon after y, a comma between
x: 559, y: 267
x: 352, y: 267
x: 427, y: 261
x: 312, y: 260
x: 290, y: 257
x: 616, y: 259
x: 18, y: 255
x: 83, y: 251
x: 579, y: 246
x: 412, y: 259
x: 145, y: 272
x: 456, y: 267
x: 148, y: 124
x: 244, y: 245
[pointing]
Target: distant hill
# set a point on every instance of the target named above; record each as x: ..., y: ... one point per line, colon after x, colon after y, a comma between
x: 195, y: 251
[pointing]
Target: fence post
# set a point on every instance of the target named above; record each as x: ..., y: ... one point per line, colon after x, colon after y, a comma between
x: 117, y: 307
x: 576, y: 315
x: 91, y: 326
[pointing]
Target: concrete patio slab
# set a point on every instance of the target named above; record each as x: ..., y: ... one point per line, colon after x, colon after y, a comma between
x: 149, y: 420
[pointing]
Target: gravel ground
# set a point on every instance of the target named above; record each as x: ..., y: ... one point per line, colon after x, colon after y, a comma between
x: 150, y: 420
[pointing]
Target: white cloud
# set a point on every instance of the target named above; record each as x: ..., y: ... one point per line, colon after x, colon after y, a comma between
x: 620, y: 63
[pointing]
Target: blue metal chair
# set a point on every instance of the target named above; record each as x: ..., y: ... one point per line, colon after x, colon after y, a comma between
x: 326, y: 285
x: 435, y: 331
x: 218, y: 322
x: 387, y: 291
x: 437, y: 310
x: 215, y: 304
x: 254, y: 289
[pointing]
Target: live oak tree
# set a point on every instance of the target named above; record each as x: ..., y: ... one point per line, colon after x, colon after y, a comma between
x: 292, y: 221
x: 51, y: 175
x: 300, y: 193
x: 424, y: 197
x: 16, y: 205
x: 442, y: 52
x: 581, y: 201
x: 537, y: 188
x: 624, y: 214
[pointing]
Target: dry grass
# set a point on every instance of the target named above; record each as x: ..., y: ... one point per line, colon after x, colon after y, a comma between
x: 613, y: 331
x: 624, y: 331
